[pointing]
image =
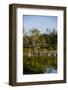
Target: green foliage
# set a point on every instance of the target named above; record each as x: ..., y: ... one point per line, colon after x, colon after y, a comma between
x: 39, y: 45
x: 37, y: 39
x: 37, y: 65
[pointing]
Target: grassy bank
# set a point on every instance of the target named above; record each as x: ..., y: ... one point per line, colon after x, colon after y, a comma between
x: 38, y: 64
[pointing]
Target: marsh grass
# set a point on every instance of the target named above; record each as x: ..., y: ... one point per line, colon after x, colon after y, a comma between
x: 39, y: 64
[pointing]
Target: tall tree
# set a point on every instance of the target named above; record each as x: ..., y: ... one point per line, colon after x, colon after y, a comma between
x: 35, y: 34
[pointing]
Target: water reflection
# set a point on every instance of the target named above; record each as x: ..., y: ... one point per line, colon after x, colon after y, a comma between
x: 50, y: 70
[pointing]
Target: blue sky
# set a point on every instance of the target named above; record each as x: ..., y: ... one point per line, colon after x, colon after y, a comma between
x: 39, y: 22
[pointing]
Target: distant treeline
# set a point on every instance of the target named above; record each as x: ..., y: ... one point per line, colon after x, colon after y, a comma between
x: 42, y: 40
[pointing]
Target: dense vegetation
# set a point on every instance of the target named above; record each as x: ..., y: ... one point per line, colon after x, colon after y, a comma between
x: 39, y: 51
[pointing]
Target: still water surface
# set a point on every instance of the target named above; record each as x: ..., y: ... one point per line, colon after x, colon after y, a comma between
x: 50, y: 70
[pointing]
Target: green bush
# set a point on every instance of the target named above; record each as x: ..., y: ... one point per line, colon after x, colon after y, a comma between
x: 37, y: 65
